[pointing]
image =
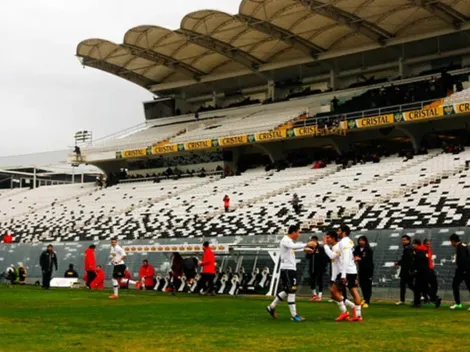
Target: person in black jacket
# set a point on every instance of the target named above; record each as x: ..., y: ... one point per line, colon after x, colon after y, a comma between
x: 47, y: 261
x: 71, y: 272
x: 317, y: 263
x: 462, y: 273
x: 364, y: 256
x: 405, y: 264
x: 419, y: 272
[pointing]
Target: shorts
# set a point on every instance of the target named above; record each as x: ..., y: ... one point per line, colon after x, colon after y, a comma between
x: 118, y: 271
x: 351, y: 281
x: 289, y: 280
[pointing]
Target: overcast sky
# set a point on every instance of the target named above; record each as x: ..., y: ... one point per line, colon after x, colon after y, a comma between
x: 45, y: 94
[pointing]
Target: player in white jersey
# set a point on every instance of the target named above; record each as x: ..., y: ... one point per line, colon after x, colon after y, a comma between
x: 334, y: 253
x: 348, y: 272
x: 117, y: 256
x: 289, y: 272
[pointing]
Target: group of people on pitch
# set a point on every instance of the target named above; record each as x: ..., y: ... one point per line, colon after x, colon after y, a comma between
x: 340, y: 249
x: 417, y: 271
x: 180, y: 266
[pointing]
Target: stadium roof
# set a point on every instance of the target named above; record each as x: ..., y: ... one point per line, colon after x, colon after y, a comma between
x: 268, y: 34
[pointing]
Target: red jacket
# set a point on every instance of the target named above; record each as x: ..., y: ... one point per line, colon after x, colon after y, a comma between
x: 90, y: 260
x: 98, y: 282
x: 147, y: 272
x: 431, y: 261
x: 7, y: 238
x: 226, y: 202
x: 208, y: 261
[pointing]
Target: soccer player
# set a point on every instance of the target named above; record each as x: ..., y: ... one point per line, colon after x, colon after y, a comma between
x: 462, y: 273
x: 289, y: 272
x: 118, y: 255
x: 432, y: 277
x: 348, y: 271
x: 331, y: 239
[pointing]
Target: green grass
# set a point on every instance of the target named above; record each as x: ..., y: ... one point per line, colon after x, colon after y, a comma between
x: 79, y: 320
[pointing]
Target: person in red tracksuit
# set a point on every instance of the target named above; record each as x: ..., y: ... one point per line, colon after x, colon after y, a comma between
x: 147, y: 275
x: 208, y: 270
x: 98, y: 282
x: 90, y: 264
x: 227, y: 203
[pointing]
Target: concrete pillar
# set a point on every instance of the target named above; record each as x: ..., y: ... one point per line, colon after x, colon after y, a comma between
x: 403, y: 69
x: 415, y: 133
x: 333, y: 79
x: 214, y: 99
x: 271, y: 90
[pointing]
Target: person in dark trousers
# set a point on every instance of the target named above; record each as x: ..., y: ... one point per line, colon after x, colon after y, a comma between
x: 420, y: 273
x: 208, y: 269
x: 177, y: 272
x: 48, y: 261
x: 462, y: 272
x: 189, y: 269
x: 226, y: 203
x: 317, y: 263
x: 364, y: 257
x: 432, y: 277
x: 405, y: 263
x: 90, y: 264
x: 71, y: 272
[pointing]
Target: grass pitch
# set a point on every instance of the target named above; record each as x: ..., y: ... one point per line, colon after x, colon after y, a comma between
x: 78, y: 320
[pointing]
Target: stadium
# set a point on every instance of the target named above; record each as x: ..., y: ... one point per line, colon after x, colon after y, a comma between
x: 321, y: 114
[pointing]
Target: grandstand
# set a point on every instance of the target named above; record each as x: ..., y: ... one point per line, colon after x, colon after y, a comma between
x: 248, y: 105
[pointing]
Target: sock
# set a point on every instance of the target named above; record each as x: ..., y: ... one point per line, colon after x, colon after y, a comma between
x: 279, y: 298
x: 314, y: 292
x: 320, y: 295
x: 132, y: 282
x: 115, y: 287
x: 341, y: 307
x: 291, y: 303
x: 349, y: 304
x: 358, y: 311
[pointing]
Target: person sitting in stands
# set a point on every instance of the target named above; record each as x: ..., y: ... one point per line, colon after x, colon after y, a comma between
x: 147, y: 275
x: 226, y: 203
x: 22, y: 274
x: 71, y: 273
x: 7, y: 238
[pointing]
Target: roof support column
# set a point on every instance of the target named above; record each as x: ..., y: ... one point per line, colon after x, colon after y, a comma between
x: 333, y: 79
x: 403, y: 69
x: 271, y: 90
x: 214, y: 99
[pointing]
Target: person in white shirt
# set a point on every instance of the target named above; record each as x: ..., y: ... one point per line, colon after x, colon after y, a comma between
x: 289, y: 272
x: 334, y: 253
x: 346, y: 275
x: 117, y: 256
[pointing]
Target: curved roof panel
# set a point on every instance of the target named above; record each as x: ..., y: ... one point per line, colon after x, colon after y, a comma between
x: 211, y: 42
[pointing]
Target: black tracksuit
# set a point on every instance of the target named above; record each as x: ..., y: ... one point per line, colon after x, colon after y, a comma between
x: 462, y: 273
x: 366, y: 270
x: 420, y: 273
x: 317, y: 263
x: 47, y: 261
x: 406, y: 263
